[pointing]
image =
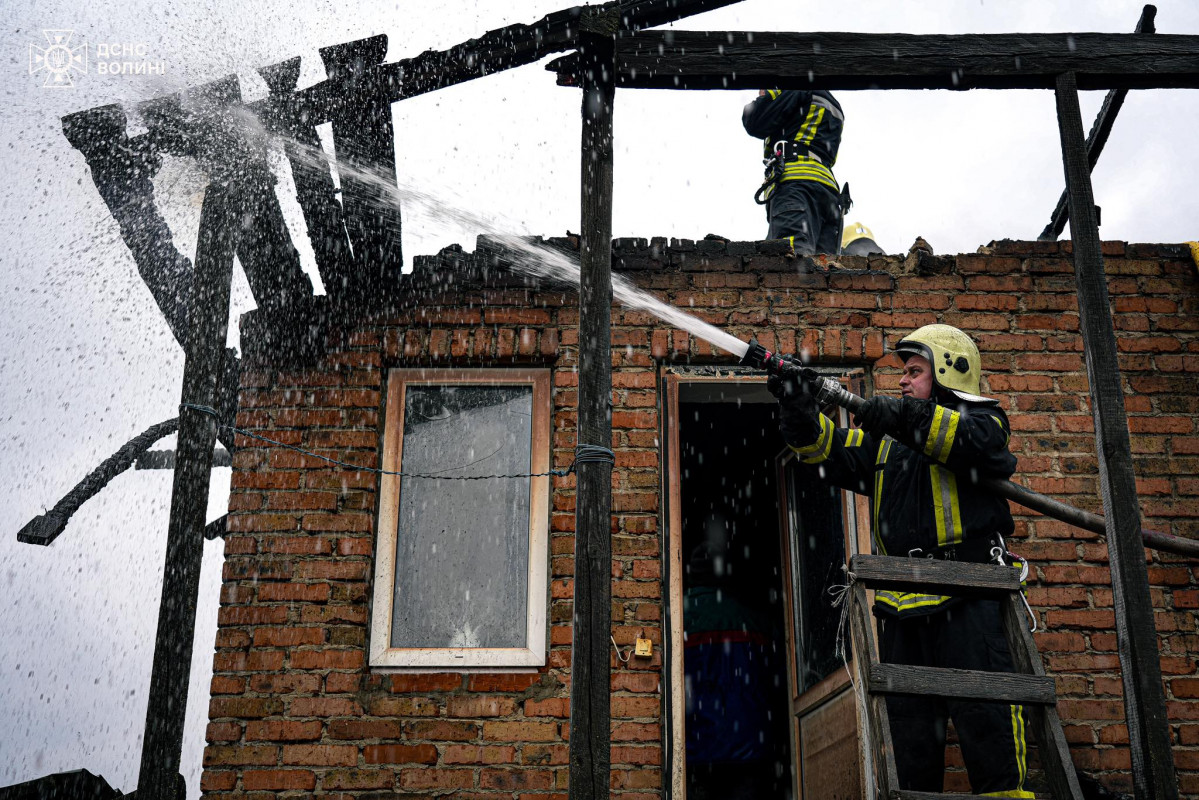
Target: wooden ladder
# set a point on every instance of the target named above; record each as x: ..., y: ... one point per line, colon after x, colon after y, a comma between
x: 1028, y: 686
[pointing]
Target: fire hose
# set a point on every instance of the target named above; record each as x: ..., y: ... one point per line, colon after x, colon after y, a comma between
x: 829, y: 391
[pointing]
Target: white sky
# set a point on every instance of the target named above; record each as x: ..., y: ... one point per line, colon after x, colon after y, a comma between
x: 86, y: 362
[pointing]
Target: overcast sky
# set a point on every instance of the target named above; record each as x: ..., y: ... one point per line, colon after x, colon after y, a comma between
x: 86, y: 362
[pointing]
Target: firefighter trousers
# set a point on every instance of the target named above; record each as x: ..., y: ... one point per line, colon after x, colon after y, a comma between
x: 809, y: 213
x: 967, y: 634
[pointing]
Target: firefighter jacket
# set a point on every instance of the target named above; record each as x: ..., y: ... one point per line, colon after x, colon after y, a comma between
x: 920, y: 482
x: 810, y: 122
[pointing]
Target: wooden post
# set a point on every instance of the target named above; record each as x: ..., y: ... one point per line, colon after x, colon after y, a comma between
x: 364, y: 139
x: 208, y: 322
x: 1097, y: 138
x: 590, y: 692
x: 1136, y: 638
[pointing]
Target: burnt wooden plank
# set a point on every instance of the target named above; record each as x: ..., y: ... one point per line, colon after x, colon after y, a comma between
x: 123, y: 169
x: 1097, y: 138
x: 45, y: 528
x: 839, y: 61
x: 1136, y: 638
x: 165, y: 459
x: 590, y: 698
x: 929, y: 576
x: 220, y: 223
x: 1051, y: 741
x: 908, y: 794
x: 495, y: 51
x: 968, y: 684
x: 197, y: 124
x: 881, y: 766
x: 315, y: 191
x: 364, y: 140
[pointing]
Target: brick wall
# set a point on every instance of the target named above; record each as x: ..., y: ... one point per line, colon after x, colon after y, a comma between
x: 294, y: 708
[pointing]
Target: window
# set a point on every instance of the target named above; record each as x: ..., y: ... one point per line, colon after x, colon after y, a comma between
x: 460, y: 570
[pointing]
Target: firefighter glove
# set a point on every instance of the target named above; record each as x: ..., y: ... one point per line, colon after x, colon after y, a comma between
x: 799, y: 416
x: 880, y: 416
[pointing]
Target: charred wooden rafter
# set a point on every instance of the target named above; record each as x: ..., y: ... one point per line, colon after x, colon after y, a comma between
x: 45, y: 528
x: 1136, y: 640
x: 842, y: 61
x: 1097, y: 138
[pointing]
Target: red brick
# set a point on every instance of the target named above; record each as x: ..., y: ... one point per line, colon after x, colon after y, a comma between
x: 520, y: 731
x: 358, y: 779
x: 516, y: 779
x: 549, y: 707
x: 400, y: 754
x: 240, y: 755
x: 327, y: 659
x: 278, y: 730
x: 320, y: 755
x: 223, y: 732
x: 499, y: 682
x: 479, y: 706
x: 439, y: 730
x: 288, y: 637
x: 323, y: 706
x: 419, y: 778
x: 432, y: 682
x: 476, y: 754
x: 211, y: 781
x: 351, y: 729
x: 277, y: 779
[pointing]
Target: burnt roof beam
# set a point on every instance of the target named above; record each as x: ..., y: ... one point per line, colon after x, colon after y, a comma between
x: 855, y: 61
x: 1097, y: 138
x: 494, y: 51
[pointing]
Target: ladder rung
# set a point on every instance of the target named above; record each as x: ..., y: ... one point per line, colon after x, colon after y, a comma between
x: 929, y: 576
x: 966, y: 684
x: 907, y: 794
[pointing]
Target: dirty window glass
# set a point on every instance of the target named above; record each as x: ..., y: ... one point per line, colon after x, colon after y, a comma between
x: 462, y: 547
x: 818, y: 553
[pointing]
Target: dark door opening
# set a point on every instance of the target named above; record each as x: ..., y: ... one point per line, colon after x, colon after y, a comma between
x: 735, y: 654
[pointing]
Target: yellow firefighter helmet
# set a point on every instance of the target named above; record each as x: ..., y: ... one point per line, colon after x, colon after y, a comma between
x: 855, y: 231
x: 957, y: 367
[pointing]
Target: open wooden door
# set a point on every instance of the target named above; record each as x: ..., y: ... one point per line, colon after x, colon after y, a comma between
x: 821, y: 527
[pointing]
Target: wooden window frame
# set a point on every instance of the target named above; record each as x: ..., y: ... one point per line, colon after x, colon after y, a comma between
x: 383, y: 656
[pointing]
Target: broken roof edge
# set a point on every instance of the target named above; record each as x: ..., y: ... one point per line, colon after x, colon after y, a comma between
x: 303, y: 332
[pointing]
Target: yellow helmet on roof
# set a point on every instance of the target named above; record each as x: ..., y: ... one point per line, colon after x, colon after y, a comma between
x: 855, y: 231
x: 956, y: 364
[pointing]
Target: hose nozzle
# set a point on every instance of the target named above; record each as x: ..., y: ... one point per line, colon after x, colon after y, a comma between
x: 827, y: 390
x: 759, y: 357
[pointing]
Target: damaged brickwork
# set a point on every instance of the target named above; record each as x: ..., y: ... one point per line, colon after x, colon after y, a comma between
x: 295, y: 709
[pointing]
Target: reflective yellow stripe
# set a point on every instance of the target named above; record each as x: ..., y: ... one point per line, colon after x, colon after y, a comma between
x: 943, y: 453
x: 819, y: 450
x: 946, y: 510
x: 905, y: 601
x: 941, y: 433
x: 1010, y: 793
x: 934, y: 430
x: 884, y: 450
x: 773, y: 93
x: 1020, y: 744
x: 807, y: 131
x: 854, y: 437
x: 805, y: 168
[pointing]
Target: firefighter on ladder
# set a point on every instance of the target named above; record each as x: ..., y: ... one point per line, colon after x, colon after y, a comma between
x: 914, y: 456
x: 800, y: 133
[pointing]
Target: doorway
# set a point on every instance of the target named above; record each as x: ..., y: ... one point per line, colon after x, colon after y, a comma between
x: 760, y: 702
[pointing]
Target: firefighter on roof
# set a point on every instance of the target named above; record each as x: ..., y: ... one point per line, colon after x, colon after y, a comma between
x: 800, y: 133
x: 914, y: 456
